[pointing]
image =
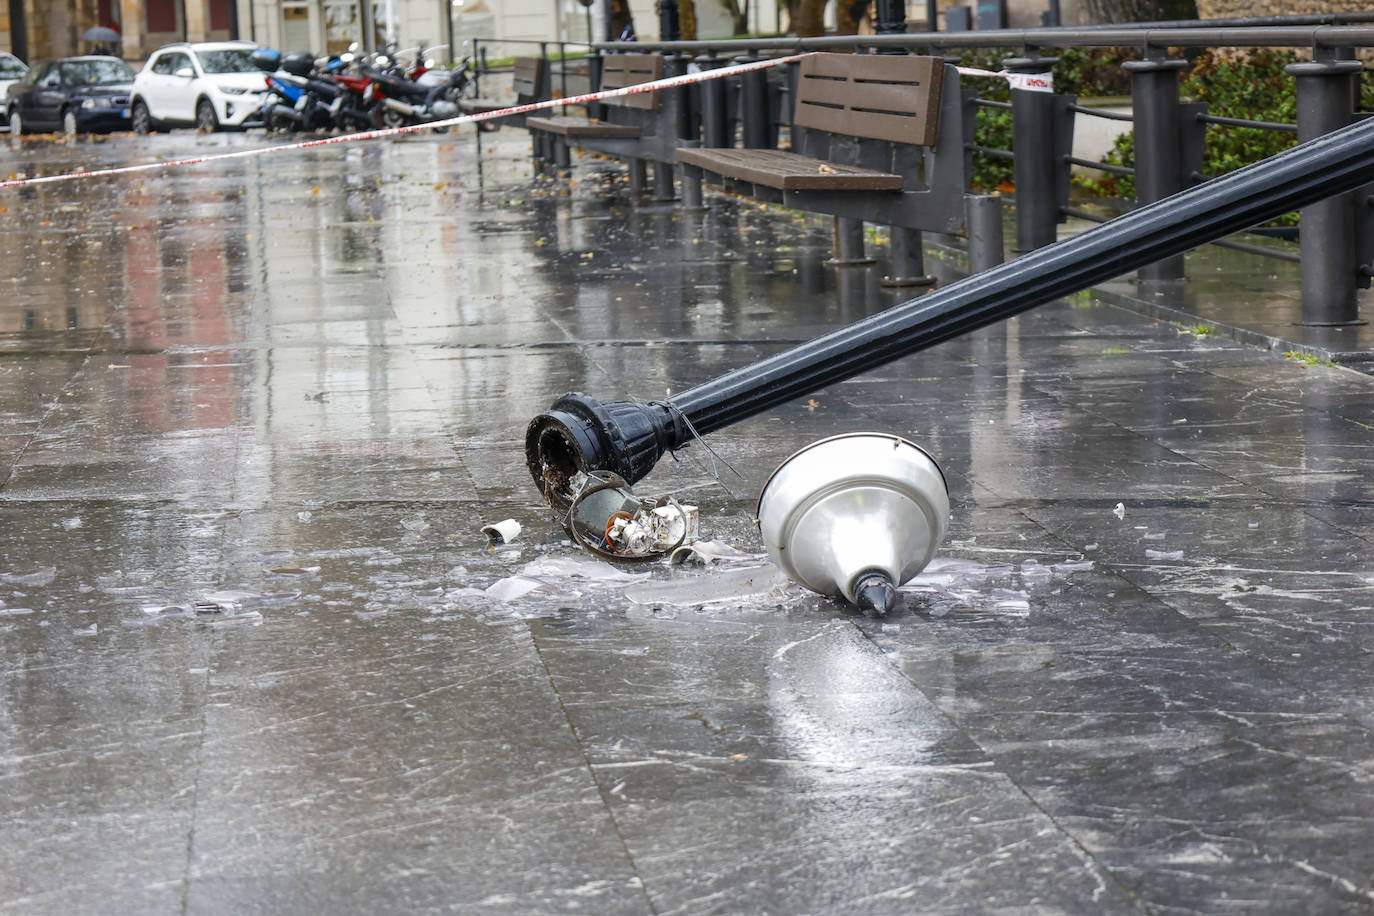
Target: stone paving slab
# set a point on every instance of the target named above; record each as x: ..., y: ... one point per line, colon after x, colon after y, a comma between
x: 1135, y: 679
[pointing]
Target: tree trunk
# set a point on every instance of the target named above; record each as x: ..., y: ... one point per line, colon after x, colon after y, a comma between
x: 687, y: 19
x: 810, y: 20
x: 739, y: 15
x: 847, y: 16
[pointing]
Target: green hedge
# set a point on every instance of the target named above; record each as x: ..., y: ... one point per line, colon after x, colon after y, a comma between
x: 1086, y: 72
x: 1252, y: 86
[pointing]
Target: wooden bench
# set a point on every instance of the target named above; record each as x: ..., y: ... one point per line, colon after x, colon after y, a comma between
x: 875, y: 137
x: 531, y: 84
x: 639, y: 128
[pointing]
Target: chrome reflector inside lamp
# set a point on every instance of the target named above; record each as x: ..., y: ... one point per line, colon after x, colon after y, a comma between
x: 855, y: 516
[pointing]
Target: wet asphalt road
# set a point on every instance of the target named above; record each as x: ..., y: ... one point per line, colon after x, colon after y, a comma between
x: 1135, y: 680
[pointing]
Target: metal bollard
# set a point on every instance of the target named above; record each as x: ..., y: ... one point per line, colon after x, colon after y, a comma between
x: 1158, y: 151
x: 1034, y: 170
x: 1329, y: 266
x: 581, y: 433
x: 983, y: 215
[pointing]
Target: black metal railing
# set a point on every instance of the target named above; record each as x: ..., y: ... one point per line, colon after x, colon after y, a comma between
x: 1168, y: 131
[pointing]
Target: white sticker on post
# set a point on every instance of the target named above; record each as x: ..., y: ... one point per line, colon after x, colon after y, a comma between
x: 1031, y: 82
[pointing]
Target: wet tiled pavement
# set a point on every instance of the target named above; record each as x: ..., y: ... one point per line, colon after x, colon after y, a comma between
x: 1135, y: 679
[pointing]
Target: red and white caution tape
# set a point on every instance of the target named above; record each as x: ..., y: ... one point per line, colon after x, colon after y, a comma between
x: 1031, y: 82
x: 1039, y: 82
x: 666, y: 83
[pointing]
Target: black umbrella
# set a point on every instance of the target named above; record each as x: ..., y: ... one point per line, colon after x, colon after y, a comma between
x: 102, y: 34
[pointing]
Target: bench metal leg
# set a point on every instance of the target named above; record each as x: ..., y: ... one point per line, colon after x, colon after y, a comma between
x: 539, y: 147
x: 908, y: 259
x: 562, y: 156
x: 849, y: 243
x: 983, y: 215
x: 690, y: 176
x: 637, y: 175
x: 663, y: 182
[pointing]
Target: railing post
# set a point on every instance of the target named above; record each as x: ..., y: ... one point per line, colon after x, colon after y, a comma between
x: 754, y: 105
x: 673, y: 65
x: 476, y: 61
x: 688, y: 101
x: 594, y: 109
x: 715, y: 113
x: 1329, y: 266
x: 1158, y: 147
x: 1034, y: 169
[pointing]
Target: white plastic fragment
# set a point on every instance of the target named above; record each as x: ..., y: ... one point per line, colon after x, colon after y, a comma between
x: 41, y: 576
x: 708, y: 552
x: 1120, y: 510
x: 727, y: 586
x: 512, y: 587
x: 247, y: 618
x: 1164, y: 554
x: 579, y: 568
x: 503, y: 532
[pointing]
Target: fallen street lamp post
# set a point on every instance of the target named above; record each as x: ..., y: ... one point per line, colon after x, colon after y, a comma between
x: 580, y: 433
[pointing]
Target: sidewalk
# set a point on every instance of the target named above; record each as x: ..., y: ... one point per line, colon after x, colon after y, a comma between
x: 245, y: 665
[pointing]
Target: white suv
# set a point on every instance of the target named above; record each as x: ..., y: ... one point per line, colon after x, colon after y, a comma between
x: 209, y: 85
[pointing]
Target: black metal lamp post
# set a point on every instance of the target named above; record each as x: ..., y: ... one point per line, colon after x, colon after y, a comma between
x: 669, y: 26
x: 581, y: 433
x: 890, y: 17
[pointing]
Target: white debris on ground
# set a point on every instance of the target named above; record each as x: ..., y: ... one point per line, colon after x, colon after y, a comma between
x: 951, y: 583
x: 708, y: 552
x: 502, y: 532
x: 731, y: 585
x: 41, y: 576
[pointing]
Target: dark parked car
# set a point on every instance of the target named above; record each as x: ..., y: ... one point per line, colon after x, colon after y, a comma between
x: 73, y: 95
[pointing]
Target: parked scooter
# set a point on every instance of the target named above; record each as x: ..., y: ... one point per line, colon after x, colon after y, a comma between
x: 433, y: 97
x: 306, y: 95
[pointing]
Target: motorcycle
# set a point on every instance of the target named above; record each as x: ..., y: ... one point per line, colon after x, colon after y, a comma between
x: 434, y: 96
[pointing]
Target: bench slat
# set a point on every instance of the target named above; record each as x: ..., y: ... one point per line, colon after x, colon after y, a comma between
x: 526, y: 80
x: 788, y: 171
x: 882, y: 97
x: 569, y: 126
x: 621, y: 70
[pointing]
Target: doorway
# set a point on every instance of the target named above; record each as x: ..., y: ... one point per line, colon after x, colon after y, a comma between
x: 296, y: 27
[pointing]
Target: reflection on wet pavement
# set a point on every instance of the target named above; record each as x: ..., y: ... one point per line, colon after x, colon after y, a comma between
x: 257, y: 654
